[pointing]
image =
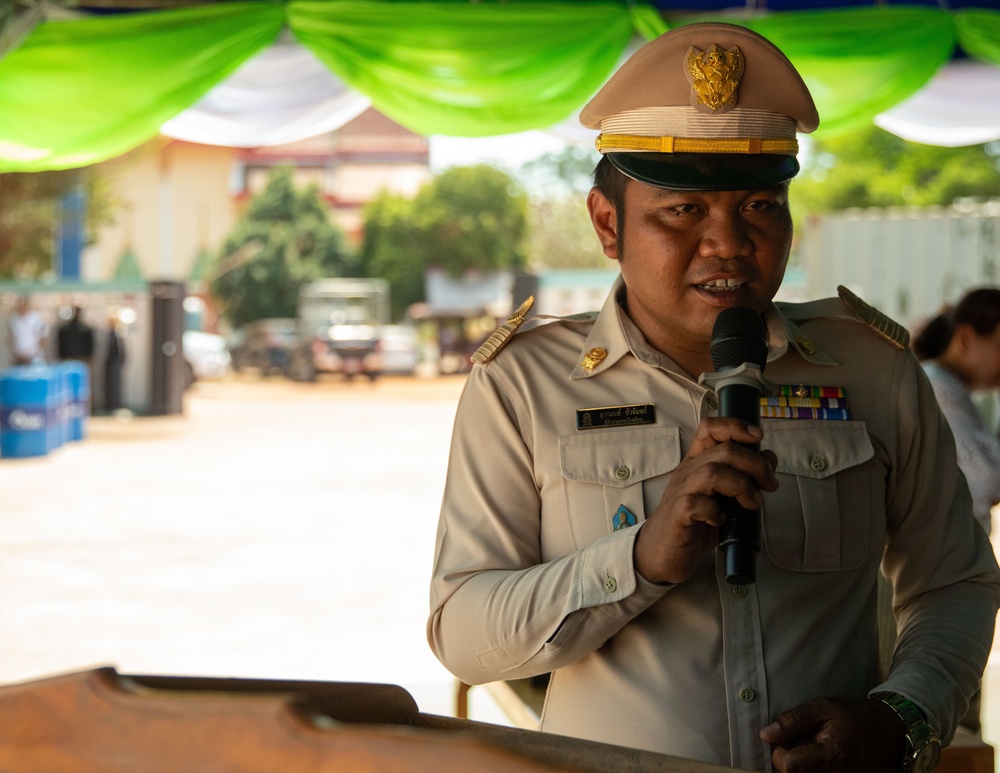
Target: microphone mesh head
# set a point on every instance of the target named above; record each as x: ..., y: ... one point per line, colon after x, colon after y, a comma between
x: 738, y: 336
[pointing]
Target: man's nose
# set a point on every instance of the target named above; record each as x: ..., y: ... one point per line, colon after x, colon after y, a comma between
x: 725, y: 236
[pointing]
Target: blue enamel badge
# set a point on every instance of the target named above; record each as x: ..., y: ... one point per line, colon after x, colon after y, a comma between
x: 623, y: 518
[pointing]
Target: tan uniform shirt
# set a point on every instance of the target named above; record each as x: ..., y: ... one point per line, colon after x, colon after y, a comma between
x: 532, y: 576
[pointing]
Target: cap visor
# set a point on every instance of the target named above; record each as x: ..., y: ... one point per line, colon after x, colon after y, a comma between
x: 706, y: 171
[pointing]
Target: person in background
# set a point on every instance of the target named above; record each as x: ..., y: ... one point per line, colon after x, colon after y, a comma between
x: 114, y: 364
x: 27, y: 333
x: 75, y: 338
x: 590, y: 465
x: 960, y: 353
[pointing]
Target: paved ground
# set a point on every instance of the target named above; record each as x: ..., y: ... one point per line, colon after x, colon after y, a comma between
x: 274, y: 530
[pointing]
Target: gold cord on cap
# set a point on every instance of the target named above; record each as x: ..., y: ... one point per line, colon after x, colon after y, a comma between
x: 610, y: 143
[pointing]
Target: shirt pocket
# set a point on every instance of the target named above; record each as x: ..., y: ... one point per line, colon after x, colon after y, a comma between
x: 604, y: 471
x: 820, y: 518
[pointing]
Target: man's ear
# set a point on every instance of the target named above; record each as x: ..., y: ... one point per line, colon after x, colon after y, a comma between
x: 605, y: 220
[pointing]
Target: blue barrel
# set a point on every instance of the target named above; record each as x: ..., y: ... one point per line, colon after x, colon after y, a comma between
x: 78, y: 399
x: 29, y: 411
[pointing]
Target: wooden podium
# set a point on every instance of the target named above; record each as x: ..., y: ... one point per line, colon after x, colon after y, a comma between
x: 99, y: 721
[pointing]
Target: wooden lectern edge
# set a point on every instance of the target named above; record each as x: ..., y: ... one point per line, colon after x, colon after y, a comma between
x: 252, y: 725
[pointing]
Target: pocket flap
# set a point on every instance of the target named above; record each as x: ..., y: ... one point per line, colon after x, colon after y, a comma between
x: 620, y: 458
x: 817, y: 448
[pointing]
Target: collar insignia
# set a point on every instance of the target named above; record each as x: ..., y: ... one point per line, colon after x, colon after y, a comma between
x: 714, y: 76
x: 594, y: 357
x: 806, y: 344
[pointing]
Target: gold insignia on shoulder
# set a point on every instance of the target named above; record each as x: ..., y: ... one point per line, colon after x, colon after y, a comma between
x: 502, y: 334
x: 806, y: 344
x: 715, y: 76
x: 891, y: 331
x: 594, y: 357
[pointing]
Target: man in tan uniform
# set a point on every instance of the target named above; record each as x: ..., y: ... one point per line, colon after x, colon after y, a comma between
x: 581, y: 514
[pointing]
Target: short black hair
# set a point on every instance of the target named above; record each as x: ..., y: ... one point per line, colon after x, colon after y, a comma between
x: 611, y: 183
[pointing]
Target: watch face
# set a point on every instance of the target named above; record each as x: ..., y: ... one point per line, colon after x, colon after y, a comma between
x: 926, y: 758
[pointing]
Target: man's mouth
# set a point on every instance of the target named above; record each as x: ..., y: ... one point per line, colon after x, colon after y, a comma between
x: 722, y: 285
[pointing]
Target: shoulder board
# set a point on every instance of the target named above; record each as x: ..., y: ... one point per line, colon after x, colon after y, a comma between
x: 891, y: 331
x: 502, y: 334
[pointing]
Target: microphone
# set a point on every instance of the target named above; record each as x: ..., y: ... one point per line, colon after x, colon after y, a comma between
x: 739, y: 353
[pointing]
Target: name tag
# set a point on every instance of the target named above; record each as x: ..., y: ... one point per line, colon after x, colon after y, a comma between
x: 615, y: 416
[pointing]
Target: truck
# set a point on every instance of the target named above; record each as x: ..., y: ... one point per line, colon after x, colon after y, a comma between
x: 339, y: 321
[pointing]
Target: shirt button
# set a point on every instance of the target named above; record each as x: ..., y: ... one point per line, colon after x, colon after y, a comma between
x: 739, y: 590
x: 818, y: 463
x: 623, y: 472
x: 610, y: 584
x: 747, y: 695
x: 712, y: 402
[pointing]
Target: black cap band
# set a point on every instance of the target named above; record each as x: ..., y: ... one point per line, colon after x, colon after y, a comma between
x: 706, y: 171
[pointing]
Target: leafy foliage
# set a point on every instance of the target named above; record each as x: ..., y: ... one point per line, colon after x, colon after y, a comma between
x: 30, y: 212
x: 874, y: 168
x: 284, y: 239
x: 466, y: 218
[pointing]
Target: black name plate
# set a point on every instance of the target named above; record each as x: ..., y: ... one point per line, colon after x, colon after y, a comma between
x: 615, y: 416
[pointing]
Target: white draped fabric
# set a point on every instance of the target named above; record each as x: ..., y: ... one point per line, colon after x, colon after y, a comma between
x: 960, y: 106
x: 285, y: 94
x: 281, y: 95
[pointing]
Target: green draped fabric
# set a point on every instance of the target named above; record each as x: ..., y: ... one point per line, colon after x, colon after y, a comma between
x: 467, y: 69
x: 81, y: 91
x: 859, y: 62
x: 979, y: 34
x: 77, y: 92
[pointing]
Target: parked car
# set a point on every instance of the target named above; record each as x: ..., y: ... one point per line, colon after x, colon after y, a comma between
x: 264, y: 344
x: 399, y: 349
x: 348, y: 350
x: 205, y: 354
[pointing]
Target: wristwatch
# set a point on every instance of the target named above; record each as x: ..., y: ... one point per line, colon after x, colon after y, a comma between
x: 923, y: 747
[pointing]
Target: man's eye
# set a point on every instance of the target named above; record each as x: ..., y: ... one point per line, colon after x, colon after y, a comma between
x: 759, y: 205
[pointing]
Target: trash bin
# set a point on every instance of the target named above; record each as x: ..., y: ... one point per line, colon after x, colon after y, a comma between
x: 29, y: 411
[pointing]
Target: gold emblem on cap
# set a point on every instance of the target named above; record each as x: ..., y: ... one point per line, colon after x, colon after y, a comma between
x: 715, y: 76
x: 594, y: 357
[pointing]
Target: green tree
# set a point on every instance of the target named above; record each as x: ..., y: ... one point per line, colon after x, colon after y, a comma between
x: 30, y: 212
x: 560, y: 234
x: 874, y: 168
x: 285, y: 238
x: 466, y: 218
x: 387, y: 250
x: 472, y: 217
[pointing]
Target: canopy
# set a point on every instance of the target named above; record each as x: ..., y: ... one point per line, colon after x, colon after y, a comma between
x: 78, y: 89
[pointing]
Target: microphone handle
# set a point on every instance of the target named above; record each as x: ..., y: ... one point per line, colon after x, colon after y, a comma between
x: 739, y: 536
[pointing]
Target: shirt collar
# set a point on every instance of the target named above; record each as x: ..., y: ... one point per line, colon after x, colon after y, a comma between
x: 614, y: 335
x: 783, y: 334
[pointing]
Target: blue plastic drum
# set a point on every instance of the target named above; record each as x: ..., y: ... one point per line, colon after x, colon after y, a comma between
x: 29, y: 411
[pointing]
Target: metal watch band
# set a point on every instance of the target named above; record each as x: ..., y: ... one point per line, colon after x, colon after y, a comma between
x: 922, y: 743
